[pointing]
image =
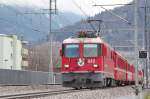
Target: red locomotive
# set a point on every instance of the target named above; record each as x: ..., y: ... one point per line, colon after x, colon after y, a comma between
x: 90, y: 62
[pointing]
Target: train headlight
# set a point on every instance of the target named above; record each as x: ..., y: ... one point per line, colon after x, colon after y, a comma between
x: 66, y: 66
x: 95, y: 65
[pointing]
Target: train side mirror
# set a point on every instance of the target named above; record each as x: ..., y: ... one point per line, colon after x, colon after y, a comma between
x: 60, y: 52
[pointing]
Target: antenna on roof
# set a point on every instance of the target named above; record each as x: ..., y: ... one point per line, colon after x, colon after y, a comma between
x: 87, y: 34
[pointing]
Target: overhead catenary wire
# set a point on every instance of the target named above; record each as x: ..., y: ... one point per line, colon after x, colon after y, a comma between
x: 26, y: 18
x: 114, y: 4
x: 125, y: 29
x: 92, y: 26
x: 114, y: 14
x: 32, y: 29
x: 118, y: 16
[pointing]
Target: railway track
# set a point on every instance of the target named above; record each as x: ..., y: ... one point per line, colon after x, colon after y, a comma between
x: 46, y: 93
x: 37, y: 94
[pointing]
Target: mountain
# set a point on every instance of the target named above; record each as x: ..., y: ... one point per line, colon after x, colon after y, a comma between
x: 35, y: 27
x: 32, y: 27
x: 113, y: 29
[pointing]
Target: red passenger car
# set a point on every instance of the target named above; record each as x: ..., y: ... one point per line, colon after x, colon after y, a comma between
x: 120, y: 69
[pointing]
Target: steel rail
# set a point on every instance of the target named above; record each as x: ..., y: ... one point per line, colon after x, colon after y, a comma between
x: 37, y: 94
x: 48, y: 93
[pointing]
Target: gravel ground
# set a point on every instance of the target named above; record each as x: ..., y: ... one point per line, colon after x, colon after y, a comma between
x: 110, y: 93
x: 5, y: 90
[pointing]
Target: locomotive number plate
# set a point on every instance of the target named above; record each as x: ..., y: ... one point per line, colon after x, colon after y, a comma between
x: 91, y: 61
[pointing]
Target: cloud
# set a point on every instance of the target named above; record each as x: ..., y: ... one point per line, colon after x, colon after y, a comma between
x: 28, y: 3
x: 67, y: 5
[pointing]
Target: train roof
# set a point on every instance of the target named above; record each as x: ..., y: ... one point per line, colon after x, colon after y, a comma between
x: 84, y: 40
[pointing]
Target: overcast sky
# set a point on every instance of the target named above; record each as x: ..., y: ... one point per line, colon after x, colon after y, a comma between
x: 67, y: 5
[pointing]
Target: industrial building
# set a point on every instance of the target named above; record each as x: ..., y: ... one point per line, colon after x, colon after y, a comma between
x: 12, y: 54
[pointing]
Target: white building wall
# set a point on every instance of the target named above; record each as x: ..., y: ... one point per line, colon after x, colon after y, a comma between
x: 18, y: 55
x: 7, y: 53
x: 1, y: 53
x: 10, y: 52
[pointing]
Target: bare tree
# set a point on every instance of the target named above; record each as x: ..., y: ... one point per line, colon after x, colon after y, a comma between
x: 39, y: 59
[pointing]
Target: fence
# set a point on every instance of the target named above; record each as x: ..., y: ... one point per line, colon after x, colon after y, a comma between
x: 17, y: 77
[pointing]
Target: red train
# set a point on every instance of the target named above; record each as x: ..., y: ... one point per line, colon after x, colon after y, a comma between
x: 88, y: 61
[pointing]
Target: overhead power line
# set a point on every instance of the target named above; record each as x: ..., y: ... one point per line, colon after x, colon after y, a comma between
x: 35, y: 13
x: 26, y: 18
x: 118, y: 16
x: 123, y: 29
x: 92, y: 26
x: 114, y: 4
x: 32, y: 29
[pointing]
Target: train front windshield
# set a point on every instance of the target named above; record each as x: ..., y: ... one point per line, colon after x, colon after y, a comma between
x: 71, y: 50
x: 90, y: 50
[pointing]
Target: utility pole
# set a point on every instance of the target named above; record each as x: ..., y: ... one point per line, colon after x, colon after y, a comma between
x: 136, y: 45
x: 51, y: 72
x: 146, y: 43
x: 52, y: 10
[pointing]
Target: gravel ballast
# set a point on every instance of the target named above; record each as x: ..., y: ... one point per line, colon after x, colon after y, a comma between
x: 108, y: 93
x: 9, y: 90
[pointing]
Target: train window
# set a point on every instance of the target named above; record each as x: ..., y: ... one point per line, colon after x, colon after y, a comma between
x: 90, y: 50
x: 71, y: 50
